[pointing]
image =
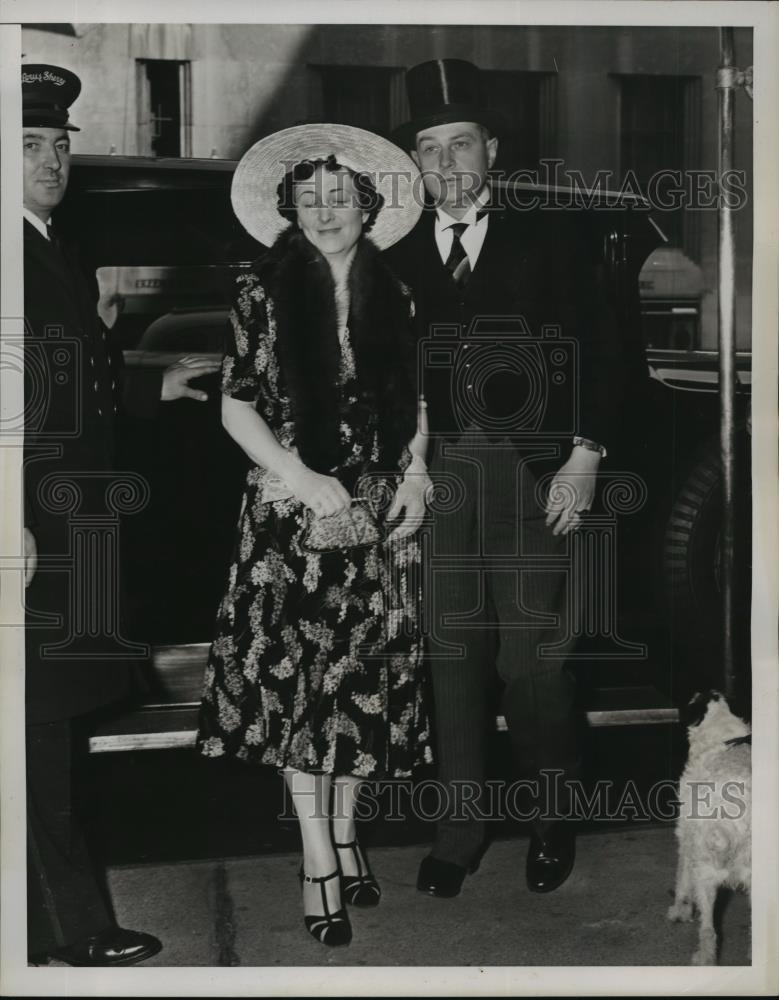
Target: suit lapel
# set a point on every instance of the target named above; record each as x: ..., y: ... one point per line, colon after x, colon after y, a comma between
x: 500, y: 261
x: 51, y: 260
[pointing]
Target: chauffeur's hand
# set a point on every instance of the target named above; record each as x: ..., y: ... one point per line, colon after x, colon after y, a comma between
x: 176, y: 378
x: 572, y: 490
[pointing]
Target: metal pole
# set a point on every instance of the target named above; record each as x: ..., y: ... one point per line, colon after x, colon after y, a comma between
x: 727, y: 82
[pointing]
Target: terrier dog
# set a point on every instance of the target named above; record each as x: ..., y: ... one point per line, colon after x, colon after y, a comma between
x: 714, y: 828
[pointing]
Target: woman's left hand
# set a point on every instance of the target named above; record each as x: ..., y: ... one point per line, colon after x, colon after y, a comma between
x: 410, y: 497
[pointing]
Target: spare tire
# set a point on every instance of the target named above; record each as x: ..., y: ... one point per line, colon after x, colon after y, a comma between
x: 692, y: 567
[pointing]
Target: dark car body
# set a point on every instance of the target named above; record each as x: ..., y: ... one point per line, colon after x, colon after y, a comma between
x: 165, y: 247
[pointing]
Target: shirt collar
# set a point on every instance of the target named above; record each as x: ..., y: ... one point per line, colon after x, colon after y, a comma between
x: 445, y: 220
x: 33, y: 219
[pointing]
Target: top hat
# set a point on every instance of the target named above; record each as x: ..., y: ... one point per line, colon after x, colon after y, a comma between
x: 263, y: 166
x: 47, y: 93
x: 440, y: 92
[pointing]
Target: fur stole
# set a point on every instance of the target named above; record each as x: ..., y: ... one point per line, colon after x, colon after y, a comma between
x: 298, y: 280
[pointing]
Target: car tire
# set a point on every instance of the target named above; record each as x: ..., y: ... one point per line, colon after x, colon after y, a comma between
x: 692, y: 569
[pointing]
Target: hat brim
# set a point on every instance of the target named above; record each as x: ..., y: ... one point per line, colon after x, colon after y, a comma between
x: 263, y: 166
x: 43, y: 119
x: 406, y: 134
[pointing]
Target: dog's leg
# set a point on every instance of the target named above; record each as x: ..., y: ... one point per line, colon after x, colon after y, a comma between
x: 705, y: 889
x: 681, y: 909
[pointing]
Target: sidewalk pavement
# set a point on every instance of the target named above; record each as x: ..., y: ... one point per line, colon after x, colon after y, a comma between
x: 611, y: 911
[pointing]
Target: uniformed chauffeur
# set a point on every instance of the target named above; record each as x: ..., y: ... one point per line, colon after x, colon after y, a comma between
x: 73, y: 399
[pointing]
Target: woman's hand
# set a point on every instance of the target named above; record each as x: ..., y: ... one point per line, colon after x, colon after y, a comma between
x: 410, y: 497
x: 323, y: 494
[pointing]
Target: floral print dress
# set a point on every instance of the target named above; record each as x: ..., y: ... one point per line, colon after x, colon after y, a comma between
x: 316, y: 661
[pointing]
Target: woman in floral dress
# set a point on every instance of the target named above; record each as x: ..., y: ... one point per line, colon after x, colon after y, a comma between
x: 315, y: 668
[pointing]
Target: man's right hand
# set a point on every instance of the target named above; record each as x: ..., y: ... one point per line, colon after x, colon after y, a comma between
x: 30, y: 557
x: 323, y: 494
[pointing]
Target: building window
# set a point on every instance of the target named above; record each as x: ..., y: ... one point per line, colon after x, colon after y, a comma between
x: 526, y: 103
x: 660, y: 131
x: 164, y: 107
x: 374, y: 97
x: 370, y: 97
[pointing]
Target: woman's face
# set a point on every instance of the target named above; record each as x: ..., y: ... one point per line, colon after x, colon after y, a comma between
x: 328, y: 212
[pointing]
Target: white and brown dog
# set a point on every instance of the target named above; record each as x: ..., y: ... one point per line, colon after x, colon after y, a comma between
x: 714, y: 828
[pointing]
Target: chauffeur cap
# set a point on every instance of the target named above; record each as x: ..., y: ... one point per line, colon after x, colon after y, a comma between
x: 47, y: 93
x: 442, y: 91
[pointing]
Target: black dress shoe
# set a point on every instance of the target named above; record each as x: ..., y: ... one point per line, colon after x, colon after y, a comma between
x: 114, y: 946
x: 550, y: 857
x: 443, y: 878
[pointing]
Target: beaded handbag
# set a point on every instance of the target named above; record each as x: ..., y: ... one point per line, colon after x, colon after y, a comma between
x: 354, y: 527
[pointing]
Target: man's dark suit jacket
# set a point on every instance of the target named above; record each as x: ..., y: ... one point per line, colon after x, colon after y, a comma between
x: 72, y: 407
x: 537, y: 265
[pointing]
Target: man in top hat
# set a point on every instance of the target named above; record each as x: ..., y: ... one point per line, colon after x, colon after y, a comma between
x: 521, y: 418
x: 72, y: 401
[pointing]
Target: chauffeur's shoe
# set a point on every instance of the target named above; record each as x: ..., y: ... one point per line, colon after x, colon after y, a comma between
x: 113, y: 946
x: 443, y: 878
x: 550, y: 857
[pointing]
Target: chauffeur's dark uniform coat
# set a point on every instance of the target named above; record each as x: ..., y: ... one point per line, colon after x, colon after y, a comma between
x: 72, y: 407
x: 533, y: 265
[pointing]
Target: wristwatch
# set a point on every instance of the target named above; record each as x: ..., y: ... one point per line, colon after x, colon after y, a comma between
x: 590, y: 445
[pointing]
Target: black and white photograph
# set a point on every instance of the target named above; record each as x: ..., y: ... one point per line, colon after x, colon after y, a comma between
x: 388, y: 445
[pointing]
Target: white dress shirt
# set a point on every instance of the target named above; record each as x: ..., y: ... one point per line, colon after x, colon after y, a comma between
x: 472, y: 238
x: 33, y: 219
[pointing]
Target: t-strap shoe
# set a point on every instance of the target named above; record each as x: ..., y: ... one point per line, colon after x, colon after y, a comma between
x: 329, y: 928
x: 361, y: 889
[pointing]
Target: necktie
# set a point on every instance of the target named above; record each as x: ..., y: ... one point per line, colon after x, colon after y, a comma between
x: 457, y: 263
x: 53, y: 238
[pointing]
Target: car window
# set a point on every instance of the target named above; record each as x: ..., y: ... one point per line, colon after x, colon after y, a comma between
x: 157, y: 307
x: 164, y: 257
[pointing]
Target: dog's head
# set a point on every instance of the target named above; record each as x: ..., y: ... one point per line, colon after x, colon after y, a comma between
x: 708, y: 718
x: 694, y: 712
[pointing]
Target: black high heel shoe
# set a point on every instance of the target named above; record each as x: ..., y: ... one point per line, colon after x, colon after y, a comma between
x: 361, y: 889
x: 332, y: 929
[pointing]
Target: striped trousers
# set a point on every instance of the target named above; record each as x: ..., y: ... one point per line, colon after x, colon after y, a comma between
x: 496, y: 601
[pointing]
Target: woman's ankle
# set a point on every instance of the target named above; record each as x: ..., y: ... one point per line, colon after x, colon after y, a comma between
x: 312, y: 897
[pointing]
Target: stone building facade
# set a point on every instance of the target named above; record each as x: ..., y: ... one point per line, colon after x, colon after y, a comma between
x: 604, y: 102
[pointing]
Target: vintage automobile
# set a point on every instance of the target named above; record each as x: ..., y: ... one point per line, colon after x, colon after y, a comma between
x: 164, y: 246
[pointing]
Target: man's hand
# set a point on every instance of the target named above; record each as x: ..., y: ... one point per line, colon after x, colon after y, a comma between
x: 572, y: 490
x: 176, y: 379
x: 410, y: 497
x: 30, y: 556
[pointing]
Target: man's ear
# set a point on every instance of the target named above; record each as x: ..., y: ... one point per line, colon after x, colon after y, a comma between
x: 492, y: 150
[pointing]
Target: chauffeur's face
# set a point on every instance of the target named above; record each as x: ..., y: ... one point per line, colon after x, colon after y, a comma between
x: 46, y: 167
x: 454, y: 160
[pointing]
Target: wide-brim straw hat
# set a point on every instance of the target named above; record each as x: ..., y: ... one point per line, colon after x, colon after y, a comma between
x: 262, y: 167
